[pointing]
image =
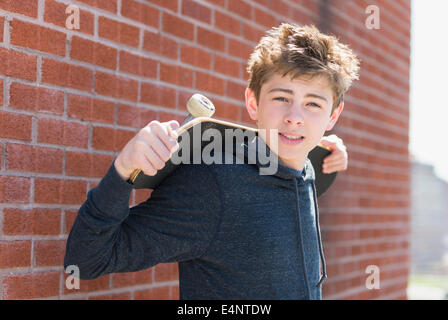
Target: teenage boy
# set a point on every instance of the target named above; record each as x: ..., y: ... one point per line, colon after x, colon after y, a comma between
x: 236, y: 234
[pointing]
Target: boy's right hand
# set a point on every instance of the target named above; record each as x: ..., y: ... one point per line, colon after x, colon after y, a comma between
x: 149, y: 150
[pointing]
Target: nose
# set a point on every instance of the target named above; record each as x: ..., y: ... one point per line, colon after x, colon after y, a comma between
x: 294, y: 116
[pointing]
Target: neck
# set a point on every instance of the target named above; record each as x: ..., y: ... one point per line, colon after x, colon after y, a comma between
x: 294, y: 164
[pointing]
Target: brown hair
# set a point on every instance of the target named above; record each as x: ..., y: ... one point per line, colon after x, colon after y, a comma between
x: 303, y: 51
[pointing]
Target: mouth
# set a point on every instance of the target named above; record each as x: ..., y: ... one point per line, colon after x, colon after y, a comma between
x: 291, y: 139
x: 292, y: 136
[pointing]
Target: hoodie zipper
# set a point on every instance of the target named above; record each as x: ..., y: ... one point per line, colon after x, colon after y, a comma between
x: 299, y: 229
x: 300, y: 238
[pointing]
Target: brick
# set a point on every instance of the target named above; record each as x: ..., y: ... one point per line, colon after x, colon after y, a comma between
x: 89, y: 109
x: 49, y: 253
x: 227, y: 66
x: 210, y: 39
x: 25, y: 97
x: 136, y: 117
x: 196, y: 11
x: 174, y: 293
x: 195, y: 56
x: 2, y: 23
x: 166, y: 272
x: 55, y: 14
x: 33, y: 36
x: 14, y: 254
x: 252, y: 33
x: 138, y: 65
x: 140, y: 12
x: 98, y: 284
x: 176, y: 75
x: 32, y: 222
x: 301, y: 15
x: 118, y: 32
x: 108, y: 5
x: 177, y: 26
x: 15, y: 126
x: 227, y: 111
x: 115, y: 296
x: 207, y: 82
x: 241, y: 8
x: 158, y: 95
x: 1, y: 92
x: 158, y: 293
x: 110, y: 139
x: 17, y: 65
x: 239, y: 49
x: 227, y: 23
x: 132, y: 278
x: 236, y: 90
x: 165, y: 116
x: 82, y: 164
x: 94, y: 53
x: 59, y: 191
x: 60, y: 132
x: 265, y: 19
x: 14, y: 190
x: 33, y: 159
x: 168, y: 4
x: 142, y: 195
x: 116, y: 87
x: 220, y: 3
x: 25, y: 7
x: 67, y: 75
x: 161, y: 45
x: 279, y: 7
x: 70, y: 217
x: 32, y: 285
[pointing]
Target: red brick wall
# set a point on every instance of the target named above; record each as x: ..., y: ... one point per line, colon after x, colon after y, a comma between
x: 71, y: 99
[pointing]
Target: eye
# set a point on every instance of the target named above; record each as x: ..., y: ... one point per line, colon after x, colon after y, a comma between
x: 312, y: 103
x: 281, y: 99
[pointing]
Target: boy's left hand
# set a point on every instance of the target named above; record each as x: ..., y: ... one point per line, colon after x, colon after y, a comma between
x: 338, y: 159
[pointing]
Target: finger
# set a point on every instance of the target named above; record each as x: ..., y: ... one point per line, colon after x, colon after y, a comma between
x: 154, y: 159
x: 160, y: 149
x: 144, y: 163
x: 334, y: 161
x: 172, y: 127
x: 168, y: 141
x: 338, y: 166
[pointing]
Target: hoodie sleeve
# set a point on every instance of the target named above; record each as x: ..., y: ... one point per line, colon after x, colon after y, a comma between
x: 176, y: 223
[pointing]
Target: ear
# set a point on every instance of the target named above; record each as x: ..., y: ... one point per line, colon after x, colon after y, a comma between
x: 251, y: 104
x: 335, y: 116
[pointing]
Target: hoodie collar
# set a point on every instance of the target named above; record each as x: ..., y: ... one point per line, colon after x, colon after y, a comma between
x: 267, y: 163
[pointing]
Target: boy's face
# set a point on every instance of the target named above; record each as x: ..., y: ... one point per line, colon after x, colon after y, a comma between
x: 294, y: 108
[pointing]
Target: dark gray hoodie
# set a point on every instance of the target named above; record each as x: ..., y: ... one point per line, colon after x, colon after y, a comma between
x: 235, y: 233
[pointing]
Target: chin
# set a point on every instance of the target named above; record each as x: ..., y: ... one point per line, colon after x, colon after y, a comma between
x: 292, y: 154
